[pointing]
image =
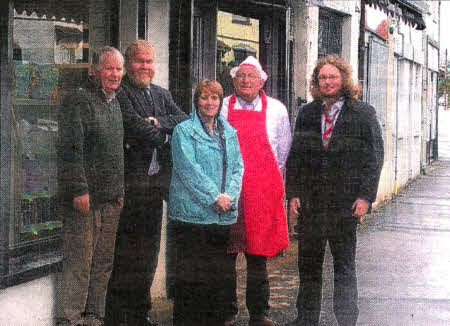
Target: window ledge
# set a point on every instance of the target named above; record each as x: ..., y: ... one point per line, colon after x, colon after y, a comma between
x: 32, y: 265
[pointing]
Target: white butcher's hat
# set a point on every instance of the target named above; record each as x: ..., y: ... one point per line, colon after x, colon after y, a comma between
x: 250, y: 62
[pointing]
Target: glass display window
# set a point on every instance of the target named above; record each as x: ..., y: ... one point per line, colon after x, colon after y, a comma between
x: 51, y: 46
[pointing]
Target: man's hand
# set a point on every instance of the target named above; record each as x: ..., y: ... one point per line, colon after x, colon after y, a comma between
x: 360, y: 208
x: 152, y: 121
x: 294, y: 206
x: 81, y: 204
x: 223, y: 203
x: 120, y: 202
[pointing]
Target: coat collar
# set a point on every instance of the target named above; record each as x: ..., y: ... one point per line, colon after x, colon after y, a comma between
x: 93, y: 85
x: 197, y: 127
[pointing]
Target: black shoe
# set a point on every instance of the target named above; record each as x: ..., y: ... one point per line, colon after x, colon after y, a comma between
x: 66, y: 322
x: 295, y: 322
x: 230, y: 321
x: 146, y: 322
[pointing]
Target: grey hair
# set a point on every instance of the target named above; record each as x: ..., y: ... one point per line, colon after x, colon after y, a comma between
x: 98, y: 54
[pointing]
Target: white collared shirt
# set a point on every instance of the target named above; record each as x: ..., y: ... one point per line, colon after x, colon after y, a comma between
x: 277, y: 125
x: 333, y: 112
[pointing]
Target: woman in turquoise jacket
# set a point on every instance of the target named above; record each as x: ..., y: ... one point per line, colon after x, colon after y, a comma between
x: 203, y: 199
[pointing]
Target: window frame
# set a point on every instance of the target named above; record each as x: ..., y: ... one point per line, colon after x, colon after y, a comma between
x: 334, y: 18
x: 25, y: 261
x: 240, y: 20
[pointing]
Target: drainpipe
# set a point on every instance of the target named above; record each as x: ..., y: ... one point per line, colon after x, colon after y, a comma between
x: 437, y: 116
x: 426, y: 96
x: 396, y: 113
x: 396, y: 130
x: 411, y: 84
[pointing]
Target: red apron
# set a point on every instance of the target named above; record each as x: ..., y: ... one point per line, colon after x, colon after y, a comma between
x: 262, y: 196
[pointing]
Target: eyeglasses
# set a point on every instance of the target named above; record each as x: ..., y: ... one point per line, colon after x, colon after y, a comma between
x: 322, y: 78
x: 251, y: 77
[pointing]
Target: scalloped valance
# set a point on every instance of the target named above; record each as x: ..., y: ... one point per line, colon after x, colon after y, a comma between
x: 75, y: 10
x: 406, y: 10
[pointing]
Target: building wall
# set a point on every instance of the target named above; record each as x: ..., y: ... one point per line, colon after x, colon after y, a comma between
x: 234, y: 34
x: 412, y: 101
x: 409, y: 110
x: 33, y: 303
x: 306, y: 25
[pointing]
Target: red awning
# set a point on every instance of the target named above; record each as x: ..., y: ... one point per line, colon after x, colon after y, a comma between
x: 76, y: 10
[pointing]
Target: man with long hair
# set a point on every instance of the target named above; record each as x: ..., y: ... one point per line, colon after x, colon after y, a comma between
x: 333, y: 172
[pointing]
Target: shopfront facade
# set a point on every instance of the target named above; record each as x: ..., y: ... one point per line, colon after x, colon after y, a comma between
x: 45, y: 50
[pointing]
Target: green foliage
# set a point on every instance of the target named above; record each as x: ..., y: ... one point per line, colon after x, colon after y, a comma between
x: 444, y: 87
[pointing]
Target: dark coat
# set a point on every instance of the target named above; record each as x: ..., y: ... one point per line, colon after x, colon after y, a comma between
x: 89, y: 148
x: 141, y: 138
x: 329, y: 181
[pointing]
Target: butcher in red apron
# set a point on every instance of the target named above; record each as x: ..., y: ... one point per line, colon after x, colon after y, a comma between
x: 263, y: 131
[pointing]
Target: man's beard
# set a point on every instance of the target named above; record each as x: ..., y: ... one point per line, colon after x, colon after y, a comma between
x: 141, y: 80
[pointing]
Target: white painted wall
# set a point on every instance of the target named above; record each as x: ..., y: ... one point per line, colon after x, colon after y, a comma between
x: 128, y: 31
x: 31, y: 303
x: 158, y: 36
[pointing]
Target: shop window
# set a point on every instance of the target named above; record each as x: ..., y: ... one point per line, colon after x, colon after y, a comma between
x: 330, y: 34
x: 51, y: 55
x: 51, y: 47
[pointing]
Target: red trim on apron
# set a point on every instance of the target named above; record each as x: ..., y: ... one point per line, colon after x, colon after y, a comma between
x: 261, y: 205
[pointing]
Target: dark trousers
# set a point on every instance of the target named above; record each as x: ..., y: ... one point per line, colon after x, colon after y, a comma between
x: 136, y: 256
x: 204, y: 277
x: 257, y: 292
x: 311, y: 251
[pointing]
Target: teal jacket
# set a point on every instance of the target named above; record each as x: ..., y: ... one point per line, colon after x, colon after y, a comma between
x: 197, y: 173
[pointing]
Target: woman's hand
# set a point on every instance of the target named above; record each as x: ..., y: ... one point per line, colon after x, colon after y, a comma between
x: 223, y: 203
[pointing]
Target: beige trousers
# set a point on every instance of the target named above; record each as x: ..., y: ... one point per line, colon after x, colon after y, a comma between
x: 88, y: 251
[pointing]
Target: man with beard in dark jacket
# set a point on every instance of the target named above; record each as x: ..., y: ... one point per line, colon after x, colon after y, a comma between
x: 91, y: 190
x: 149, y: 117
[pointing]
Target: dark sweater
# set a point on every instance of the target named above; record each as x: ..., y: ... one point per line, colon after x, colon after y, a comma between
x: 90, y: 146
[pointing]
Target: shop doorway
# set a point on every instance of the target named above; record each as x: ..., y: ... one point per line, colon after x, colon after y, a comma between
x: 225, y: 32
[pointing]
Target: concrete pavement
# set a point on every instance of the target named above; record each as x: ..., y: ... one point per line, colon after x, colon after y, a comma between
x: 403, y: 263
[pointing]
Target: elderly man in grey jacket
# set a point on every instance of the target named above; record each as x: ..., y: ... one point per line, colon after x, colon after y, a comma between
x: 91, y: 189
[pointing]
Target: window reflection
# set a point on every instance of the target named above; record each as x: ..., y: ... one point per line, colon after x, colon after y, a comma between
x: 50, y: 58
x: 237, y: 38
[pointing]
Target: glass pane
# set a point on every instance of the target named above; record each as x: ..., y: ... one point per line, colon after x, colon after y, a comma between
x: 330, y: 34
x: 235, y: 41
x: 335, y: 46
x: 323, y: 36
x: 50, y: 58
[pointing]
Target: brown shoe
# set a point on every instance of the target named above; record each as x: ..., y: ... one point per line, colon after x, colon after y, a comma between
x: 261, y: 321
